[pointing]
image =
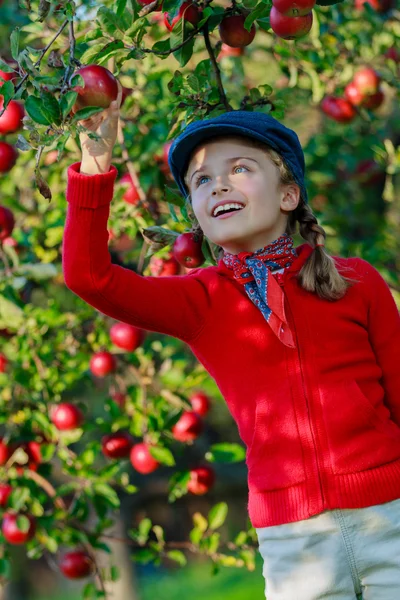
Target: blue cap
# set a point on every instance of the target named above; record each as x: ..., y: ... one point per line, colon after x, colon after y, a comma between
x: 253, y: 124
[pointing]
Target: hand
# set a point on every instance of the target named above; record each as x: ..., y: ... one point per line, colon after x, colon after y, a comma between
x: 105, y: 125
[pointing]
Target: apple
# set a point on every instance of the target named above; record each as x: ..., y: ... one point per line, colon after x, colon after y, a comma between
x: 146, y: 2
x: 294, y: 8
x: 5, y: 491
x: 32, y: 449
x: 201, y: 480
x: 229, y: 51
x: 392, y: 54
x: 7, y: 76
x: 119, y: 398
x: 233, y: 33
x: 187, y: 250
x: 163, y: 267
x: 125, y: 336
x: 374, y: 101
x: 102, y: 363
x: 76, y: 564
x: 100, y: 87
x: 66, y: 416
x: 3, y: 363
x: 290, y: 28
x: 381, y: 6
x: 131, y: 195
x: 142, y: 460
x: 200, y: 403
x: 367, y: 81
x: 369, y: 173
x: 11, y: 119
x: 13, y: 532
x: 338, y: 109
x: 8, y: 156
x: 188, y: 428
x: 353, y: 94
x: 187, y: 12
x: 117, y: 445
x: 125, y: 93
x: 4, y: 452
x: 7, y: 222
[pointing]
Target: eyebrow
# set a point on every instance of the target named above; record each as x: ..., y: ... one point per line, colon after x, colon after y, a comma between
x: 228, y: 160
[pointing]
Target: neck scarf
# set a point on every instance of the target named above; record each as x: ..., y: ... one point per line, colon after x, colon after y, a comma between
x: 252, y: 269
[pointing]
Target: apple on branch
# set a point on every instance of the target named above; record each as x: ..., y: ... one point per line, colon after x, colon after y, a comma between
x: 11, y: 119
x: 102, y: 363
x: 142, y: 460
x: 233, y: 33
x: 76, y: 565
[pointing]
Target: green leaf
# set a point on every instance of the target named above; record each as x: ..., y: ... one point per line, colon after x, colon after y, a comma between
x: 217, y: 515
x: 5, y: 67
x: 19, y: 498
x: 107, y: 492
x: 177, y: 556
x: 89, y: 591
x: 85, y: 113
x: 162, y: 455
x: 66, y: 103
x: 36, y: 109
x: 5, y: 568
x: 10, y: 313
x: 172, y: 212
x: 23, y: 523
x: 200, y: 522
x: 226, y: 453
x: 14, y: 43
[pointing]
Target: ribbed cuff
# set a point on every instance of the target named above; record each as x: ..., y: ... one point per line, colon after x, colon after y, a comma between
x: 90, y: 191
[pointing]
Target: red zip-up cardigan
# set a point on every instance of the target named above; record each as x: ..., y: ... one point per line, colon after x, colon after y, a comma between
x: 321, y: 422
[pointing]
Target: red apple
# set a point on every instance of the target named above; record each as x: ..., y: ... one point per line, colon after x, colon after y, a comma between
x: 353, y: 95
x: 201, y: 480
x: 393, y: 54
x: 290, y: 28
x: 338, y: 109
x: 14, y: 533
x: 76, y: 565
x: 367, y: 81
x: 5, y: 491
x: 142, y: 460
x: 187, y: 12
x: 66, y: 416
x: 200, y: 403
x: 116, y: 445
x: 100, y: 87
x: 8, y: 156
x: 131, y: 195
x: 4, y: 452
x: 102, y: 363
x: 188, y: 428
x: 11, y: 119
x: 381, y: 6
x: 7, y: 222
x: 119, y: 398
x: 233, y: 33
x: 374, y: 101
x: 126, y: 336
x: 3, y: 363
x: 32, y: 449
x: 163, y: 267
x: 229, y: 51
x: 369, y: 173
x: 146, y: 2
x: 294, y: 8
x: 7, y: 77
x: 187, y: 250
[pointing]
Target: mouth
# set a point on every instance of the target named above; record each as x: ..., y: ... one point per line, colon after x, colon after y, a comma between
x: 229, y: 214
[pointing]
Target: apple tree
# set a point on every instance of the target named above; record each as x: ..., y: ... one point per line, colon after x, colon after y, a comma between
x: 65, y: 464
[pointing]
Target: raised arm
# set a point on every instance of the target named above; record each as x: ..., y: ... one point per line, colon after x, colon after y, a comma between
x: 175, y: 305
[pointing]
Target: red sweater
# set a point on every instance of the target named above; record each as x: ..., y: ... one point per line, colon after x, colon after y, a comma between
x: 321, y: 422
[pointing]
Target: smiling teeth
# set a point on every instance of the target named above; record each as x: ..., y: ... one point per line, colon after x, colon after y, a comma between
x: 226, y: 207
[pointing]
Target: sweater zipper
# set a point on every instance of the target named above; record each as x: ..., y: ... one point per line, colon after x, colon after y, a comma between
x: 307, y: 403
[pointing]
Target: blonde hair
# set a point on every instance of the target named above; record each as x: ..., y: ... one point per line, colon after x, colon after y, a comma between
x: 319, y: 273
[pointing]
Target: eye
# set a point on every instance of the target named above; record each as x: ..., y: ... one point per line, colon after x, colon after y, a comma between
x: 200, y: 177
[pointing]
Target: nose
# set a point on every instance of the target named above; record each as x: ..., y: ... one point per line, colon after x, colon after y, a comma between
x: 219, y: 187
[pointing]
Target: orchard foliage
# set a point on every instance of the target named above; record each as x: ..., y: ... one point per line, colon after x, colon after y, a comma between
x: 178, y: 62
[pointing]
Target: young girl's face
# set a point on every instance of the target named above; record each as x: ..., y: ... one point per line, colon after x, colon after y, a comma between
x: 233, y: 171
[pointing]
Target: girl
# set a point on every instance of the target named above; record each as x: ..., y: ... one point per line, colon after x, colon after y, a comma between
x: 304, y: 347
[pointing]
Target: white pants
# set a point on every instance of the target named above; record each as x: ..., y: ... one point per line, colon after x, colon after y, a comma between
x: 342, y: 554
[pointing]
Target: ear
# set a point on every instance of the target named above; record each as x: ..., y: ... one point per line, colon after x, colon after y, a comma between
x: 290, y: 197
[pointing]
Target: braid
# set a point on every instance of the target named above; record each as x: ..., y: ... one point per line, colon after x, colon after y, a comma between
x: 319, y: 273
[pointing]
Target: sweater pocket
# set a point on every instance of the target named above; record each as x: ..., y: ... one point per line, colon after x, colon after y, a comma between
x: 360, y: 434
x: 274, y: 457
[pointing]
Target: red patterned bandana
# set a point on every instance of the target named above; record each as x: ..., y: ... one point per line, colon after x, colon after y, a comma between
x: 253, y: 269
